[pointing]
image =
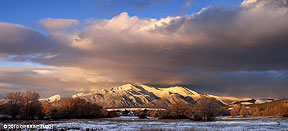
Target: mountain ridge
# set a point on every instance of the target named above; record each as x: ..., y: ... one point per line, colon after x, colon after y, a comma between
x: 140, y: 95
x: 51, y: 99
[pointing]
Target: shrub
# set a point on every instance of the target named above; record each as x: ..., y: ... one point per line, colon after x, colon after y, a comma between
x: 165, y: 115
x: 111, y: 114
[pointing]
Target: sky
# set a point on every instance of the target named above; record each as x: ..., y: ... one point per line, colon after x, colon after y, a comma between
x: 221, y: 47
x: 30, y: 11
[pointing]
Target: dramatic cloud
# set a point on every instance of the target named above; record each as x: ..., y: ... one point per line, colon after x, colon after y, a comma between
x: 15, y: 39
x: 230, y: 50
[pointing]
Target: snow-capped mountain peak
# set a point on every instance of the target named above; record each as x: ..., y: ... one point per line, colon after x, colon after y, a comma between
x: 123, y: 87
x: 139, y: 95
x: 53, y: 98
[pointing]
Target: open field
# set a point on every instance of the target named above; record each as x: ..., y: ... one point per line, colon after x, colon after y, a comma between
x: 133, y: 123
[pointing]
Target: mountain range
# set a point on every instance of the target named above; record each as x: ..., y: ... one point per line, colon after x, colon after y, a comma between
x: 134, y: 95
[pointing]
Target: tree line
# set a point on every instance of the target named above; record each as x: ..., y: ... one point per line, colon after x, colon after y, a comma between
x: 244, y: 111
x: 206, y: 109
x: 27, y: 106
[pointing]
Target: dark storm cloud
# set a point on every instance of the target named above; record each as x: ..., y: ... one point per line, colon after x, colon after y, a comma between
x: 239, y: 83
x: 244, y: 83
x: 244, y: 39
x: 219, y: 48
x: 15, y: 39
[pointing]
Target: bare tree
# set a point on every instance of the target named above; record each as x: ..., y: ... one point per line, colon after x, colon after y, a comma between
x: 244, y: 111
x: 47, y: 108
x: 235, y: 110
x: 207, y: 108
x: 77, y: 108
x: 277, y: 110
x: 255, y: 111
x: 14, y: 104
x: 165, y: 114
x: 181, y: 110
x: 32, y: 106
x: 285, y: 109
x: 269, y: 111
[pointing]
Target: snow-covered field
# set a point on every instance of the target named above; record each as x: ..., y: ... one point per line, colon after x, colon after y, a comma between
x: 133, y: 123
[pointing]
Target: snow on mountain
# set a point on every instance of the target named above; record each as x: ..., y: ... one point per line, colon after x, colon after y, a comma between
x: 132, y: 95
x: 51, y: 98
x: 260, y: 101
x: 3, y: 101
x: 254, y: 101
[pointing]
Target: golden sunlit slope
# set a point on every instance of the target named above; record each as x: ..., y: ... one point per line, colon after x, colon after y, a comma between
x: 133, y: 95
x: 271, y: 104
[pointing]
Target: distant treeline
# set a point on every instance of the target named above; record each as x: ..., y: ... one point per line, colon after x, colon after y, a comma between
x: 279, y: 109
x: 27, y: 106
x: 206, y: 109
